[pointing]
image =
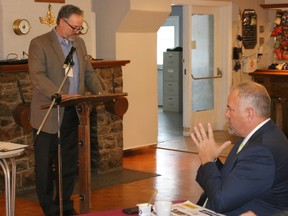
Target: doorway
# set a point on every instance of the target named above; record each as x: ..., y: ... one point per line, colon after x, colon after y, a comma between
x: 207, y: 35
x: 170, y: 116
x: 218, y: 12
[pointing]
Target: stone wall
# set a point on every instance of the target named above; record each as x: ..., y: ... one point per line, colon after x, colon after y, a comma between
x: 10, y: 131
x: 106, y: 127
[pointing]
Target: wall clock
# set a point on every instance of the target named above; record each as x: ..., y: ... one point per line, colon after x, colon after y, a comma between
x: 85, y: 27
x: 21, y: 26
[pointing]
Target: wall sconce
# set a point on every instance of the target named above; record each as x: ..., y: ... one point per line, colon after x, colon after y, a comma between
x: 49, y: 19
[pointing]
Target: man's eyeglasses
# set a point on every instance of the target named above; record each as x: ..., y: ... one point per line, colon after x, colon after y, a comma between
x: 230, y: 109
x: 74, y: 28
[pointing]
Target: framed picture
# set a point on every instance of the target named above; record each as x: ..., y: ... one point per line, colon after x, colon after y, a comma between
x: 52, y: 1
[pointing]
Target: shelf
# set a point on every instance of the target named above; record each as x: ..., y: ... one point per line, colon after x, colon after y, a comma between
x: 274, y: 6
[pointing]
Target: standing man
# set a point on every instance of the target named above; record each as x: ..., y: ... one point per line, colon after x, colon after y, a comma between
x: 254, y: 177
x: 47, y: 54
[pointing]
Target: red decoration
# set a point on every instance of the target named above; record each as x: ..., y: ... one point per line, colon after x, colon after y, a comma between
x: 280, y: 32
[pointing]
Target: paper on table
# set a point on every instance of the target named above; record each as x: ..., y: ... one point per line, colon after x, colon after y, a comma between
x: 188, y: 208
x: 7, y: 146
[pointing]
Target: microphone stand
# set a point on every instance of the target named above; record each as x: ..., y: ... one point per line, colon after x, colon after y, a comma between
x: 57, y: 99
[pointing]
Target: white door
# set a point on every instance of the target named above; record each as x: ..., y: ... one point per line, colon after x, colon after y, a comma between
x: 206, y: 62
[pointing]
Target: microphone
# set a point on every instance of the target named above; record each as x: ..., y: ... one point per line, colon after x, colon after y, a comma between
x: 69, y: 57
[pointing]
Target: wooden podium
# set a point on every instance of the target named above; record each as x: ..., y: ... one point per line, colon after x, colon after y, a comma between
x: 84, y: 105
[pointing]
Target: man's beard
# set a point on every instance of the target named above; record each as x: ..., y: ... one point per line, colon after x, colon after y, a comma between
x: 231, y: 130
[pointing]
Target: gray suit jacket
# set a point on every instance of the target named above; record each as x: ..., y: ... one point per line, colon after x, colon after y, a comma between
x: 46, y: 71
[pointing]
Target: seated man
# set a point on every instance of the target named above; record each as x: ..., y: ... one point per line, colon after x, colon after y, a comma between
x: 254, y: 176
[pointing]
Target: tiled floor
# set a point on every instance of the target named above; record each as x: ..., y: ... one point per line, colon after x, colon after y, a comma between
x: 170, y: 125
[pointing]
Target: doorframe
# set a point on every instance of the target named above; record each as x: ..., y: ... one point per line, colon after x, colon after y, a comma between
x: 224, y: 60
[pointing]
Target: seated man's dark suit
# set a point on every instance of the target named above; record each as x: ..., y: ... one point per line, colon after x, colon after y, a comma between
x: 255, y: 179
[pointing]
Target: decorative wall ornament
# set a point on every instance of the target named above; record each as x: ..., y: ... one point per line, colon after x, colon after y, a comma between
x: 49, y: 19
x: 249, y: 28
x: 280, y: 33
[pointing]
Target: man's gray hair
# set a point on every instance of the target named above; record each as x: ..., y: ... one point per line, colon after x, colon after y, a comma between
x: 67, y: 10
x: 255, y: 95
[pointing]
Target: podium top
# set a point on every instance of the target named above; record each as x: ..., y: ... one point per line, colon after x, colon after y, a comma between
x: 92, y: 99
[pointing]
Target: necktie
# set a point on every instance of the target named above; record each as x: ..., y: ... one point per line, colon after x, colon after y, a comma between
x: 205, y: 203
x: 240, y: 147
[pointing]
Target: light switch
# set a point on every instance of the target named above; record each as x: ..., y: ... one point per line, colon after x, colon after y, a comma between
x: 193, y: 44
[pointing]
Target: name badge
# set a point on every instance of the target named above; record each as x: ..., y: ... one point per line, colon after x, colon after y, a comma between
x: 69, y: 70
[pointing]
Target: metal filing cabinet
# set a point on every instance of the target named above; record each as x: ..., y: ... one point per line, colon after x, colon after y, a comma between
x: 172, y: 81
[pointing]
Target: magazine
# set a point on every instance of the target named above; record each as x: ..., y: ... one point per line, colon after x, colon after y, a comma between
x: 188, y: 208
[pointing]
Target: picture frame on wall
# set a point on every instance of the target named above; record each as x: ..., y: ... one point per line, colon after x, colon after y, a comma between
x: 51, y: 1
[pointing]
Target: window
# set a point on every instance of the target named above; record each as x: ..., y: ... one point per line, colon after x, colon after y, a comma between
x: 167, y: 37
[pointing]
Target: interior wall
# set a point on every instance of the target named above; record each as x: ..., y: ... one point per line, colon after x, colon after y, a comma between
x: 133, y: 36
x: 177, y: 10
x: 31, y: 10
x: 137, y: 21
x: 275, y: 1
x: 1, y: 27
x: 136, y: 41
x: 140, y: 81
x: 109, y: 14
x: 262, y: 20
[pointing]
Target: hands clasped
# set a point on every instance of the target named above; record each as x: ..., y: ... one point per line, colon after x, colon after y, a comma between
x: 208, y: 149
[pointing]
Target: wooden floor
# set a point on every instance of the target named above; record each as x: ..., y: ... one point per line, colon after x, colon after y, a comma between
x: 177, y: 172
x: 176, y: 182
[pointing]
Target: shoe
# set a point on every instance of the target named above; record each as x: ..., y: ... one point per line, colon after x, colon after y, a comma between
x: 70, y: 212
